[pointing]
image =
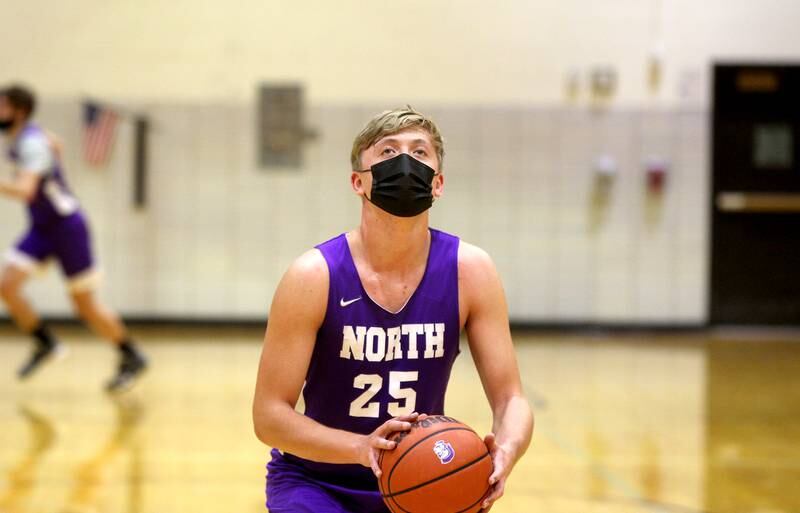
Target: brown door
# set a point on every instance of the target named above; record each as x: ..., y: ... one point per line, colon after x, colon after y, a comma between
x: 755, y: 203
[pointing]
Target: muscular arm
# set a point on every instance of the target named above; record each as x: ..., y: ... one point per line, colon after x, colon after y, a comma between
x: 297, y: 312
x: 298, y: 309
x: 493, y: 352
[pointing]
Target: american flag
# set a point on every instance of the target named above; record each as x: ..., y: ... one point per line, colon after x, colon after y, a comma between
x: 99, y: 126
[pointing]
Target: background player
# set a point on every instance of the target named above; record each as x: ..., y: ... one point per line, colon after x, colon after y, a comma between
x: 369, y: 322
x: 58, y: 229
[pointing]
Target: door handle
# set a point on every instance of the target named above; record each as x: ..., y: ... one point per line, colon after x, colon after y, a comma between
x: 766, y: 202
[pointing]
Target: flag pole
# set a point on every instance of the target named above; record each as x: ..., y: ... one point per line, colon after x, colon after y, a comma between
x: 142, y: 126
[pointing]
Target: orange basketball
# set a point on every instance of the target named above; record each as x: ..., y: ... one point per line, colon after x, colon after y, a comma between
x: 439, y: 466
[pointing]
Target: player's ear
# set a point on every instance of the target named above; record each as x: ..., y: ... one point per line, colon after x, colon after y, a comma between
x: 438, y: 186
x: 357, y: 183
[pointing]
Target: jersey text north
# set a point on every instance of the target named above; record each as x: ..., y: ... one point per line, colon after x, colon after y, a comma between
x: 377, y: 344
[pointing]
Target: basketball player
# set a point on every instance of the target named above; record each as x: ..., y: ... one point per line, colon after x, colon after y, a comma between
x: 58, y: 230
x: 369, y: 323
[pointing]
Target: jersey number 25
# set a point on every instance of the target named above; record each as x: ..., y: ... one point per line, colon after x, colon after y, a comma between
x: 407, y: 397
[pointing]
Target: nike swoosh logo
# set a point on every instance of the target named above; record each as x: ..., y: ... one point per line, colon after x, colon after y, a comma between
x: 343, y: 303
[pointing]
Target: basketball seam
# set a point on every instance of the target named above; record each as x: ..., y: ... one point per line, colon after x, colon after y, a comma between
x: 482, y: 497
x: 380, y: 481
x: 438, y: 478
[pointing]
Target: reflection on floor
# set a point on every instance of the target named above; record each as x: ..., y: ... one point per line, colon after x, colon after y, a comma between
x: 22, y: 474
x: 625, y: 423
x: 753, y: 453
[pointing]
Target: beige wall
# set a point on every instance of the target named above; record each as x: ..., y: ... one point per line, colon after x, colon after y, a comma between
x: 219, y: 232
x: 515, y: 51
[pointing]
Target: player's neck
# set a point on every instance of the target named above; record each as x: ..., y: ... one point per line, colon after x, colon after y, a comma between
x: 392, y: 243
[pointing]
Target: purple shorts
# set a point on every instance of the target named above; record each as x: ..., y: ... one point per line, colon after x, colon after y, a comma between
x: 292, y: 489
x: 67, y: 240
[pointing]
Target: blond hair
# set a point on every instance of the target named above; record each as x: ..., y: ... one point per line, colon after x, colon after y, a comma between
x: 390, y: 122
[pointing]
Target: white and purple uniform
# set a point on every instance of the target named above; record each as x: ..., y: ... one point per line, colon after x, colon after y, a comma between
x: 58, y: 228
x: 368, y: 366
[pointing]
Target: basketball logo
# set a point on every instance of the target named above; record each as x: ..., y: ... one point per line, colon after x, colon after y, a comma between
x: 444, y: 451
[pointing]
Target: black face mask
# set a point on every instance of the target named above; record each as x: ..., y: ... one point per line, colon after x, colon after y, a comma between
x: 402, y: 186
x: 6, y: 124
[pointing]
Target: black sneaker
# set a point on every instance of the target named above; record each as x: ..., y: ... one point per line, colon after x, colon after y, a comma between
x: 130, y: 367
x: 40, y: 355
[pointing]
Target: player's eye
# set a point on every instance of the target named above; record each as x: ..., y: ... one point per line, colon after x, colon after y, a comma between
x: 387, y: 151
x: 421, y: 152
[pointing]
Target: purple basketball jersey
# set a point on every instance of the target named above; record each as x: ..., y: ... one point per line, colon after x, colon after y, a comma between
x: 53, y: 200
x: 369, y: 364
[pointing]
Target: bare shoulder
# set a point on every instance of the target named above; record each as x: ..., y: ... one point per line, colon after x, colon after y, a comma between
x: 479, y: 284
x: 474, y: 263
x: 304, y: 287
x: 309, y: 268
x: 477, y: 274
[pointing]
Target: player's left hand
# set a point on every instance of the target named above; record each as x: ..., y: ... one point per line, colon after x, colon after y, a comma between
x: 503, y: 461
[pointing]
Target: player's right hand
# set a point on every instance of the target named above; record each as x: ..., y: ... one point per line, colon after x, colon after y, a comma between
x: 379, y: 440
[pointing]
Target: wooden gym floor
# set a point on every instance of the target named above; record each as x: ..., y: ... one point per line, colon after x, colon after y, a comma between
x: 624, y: 423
